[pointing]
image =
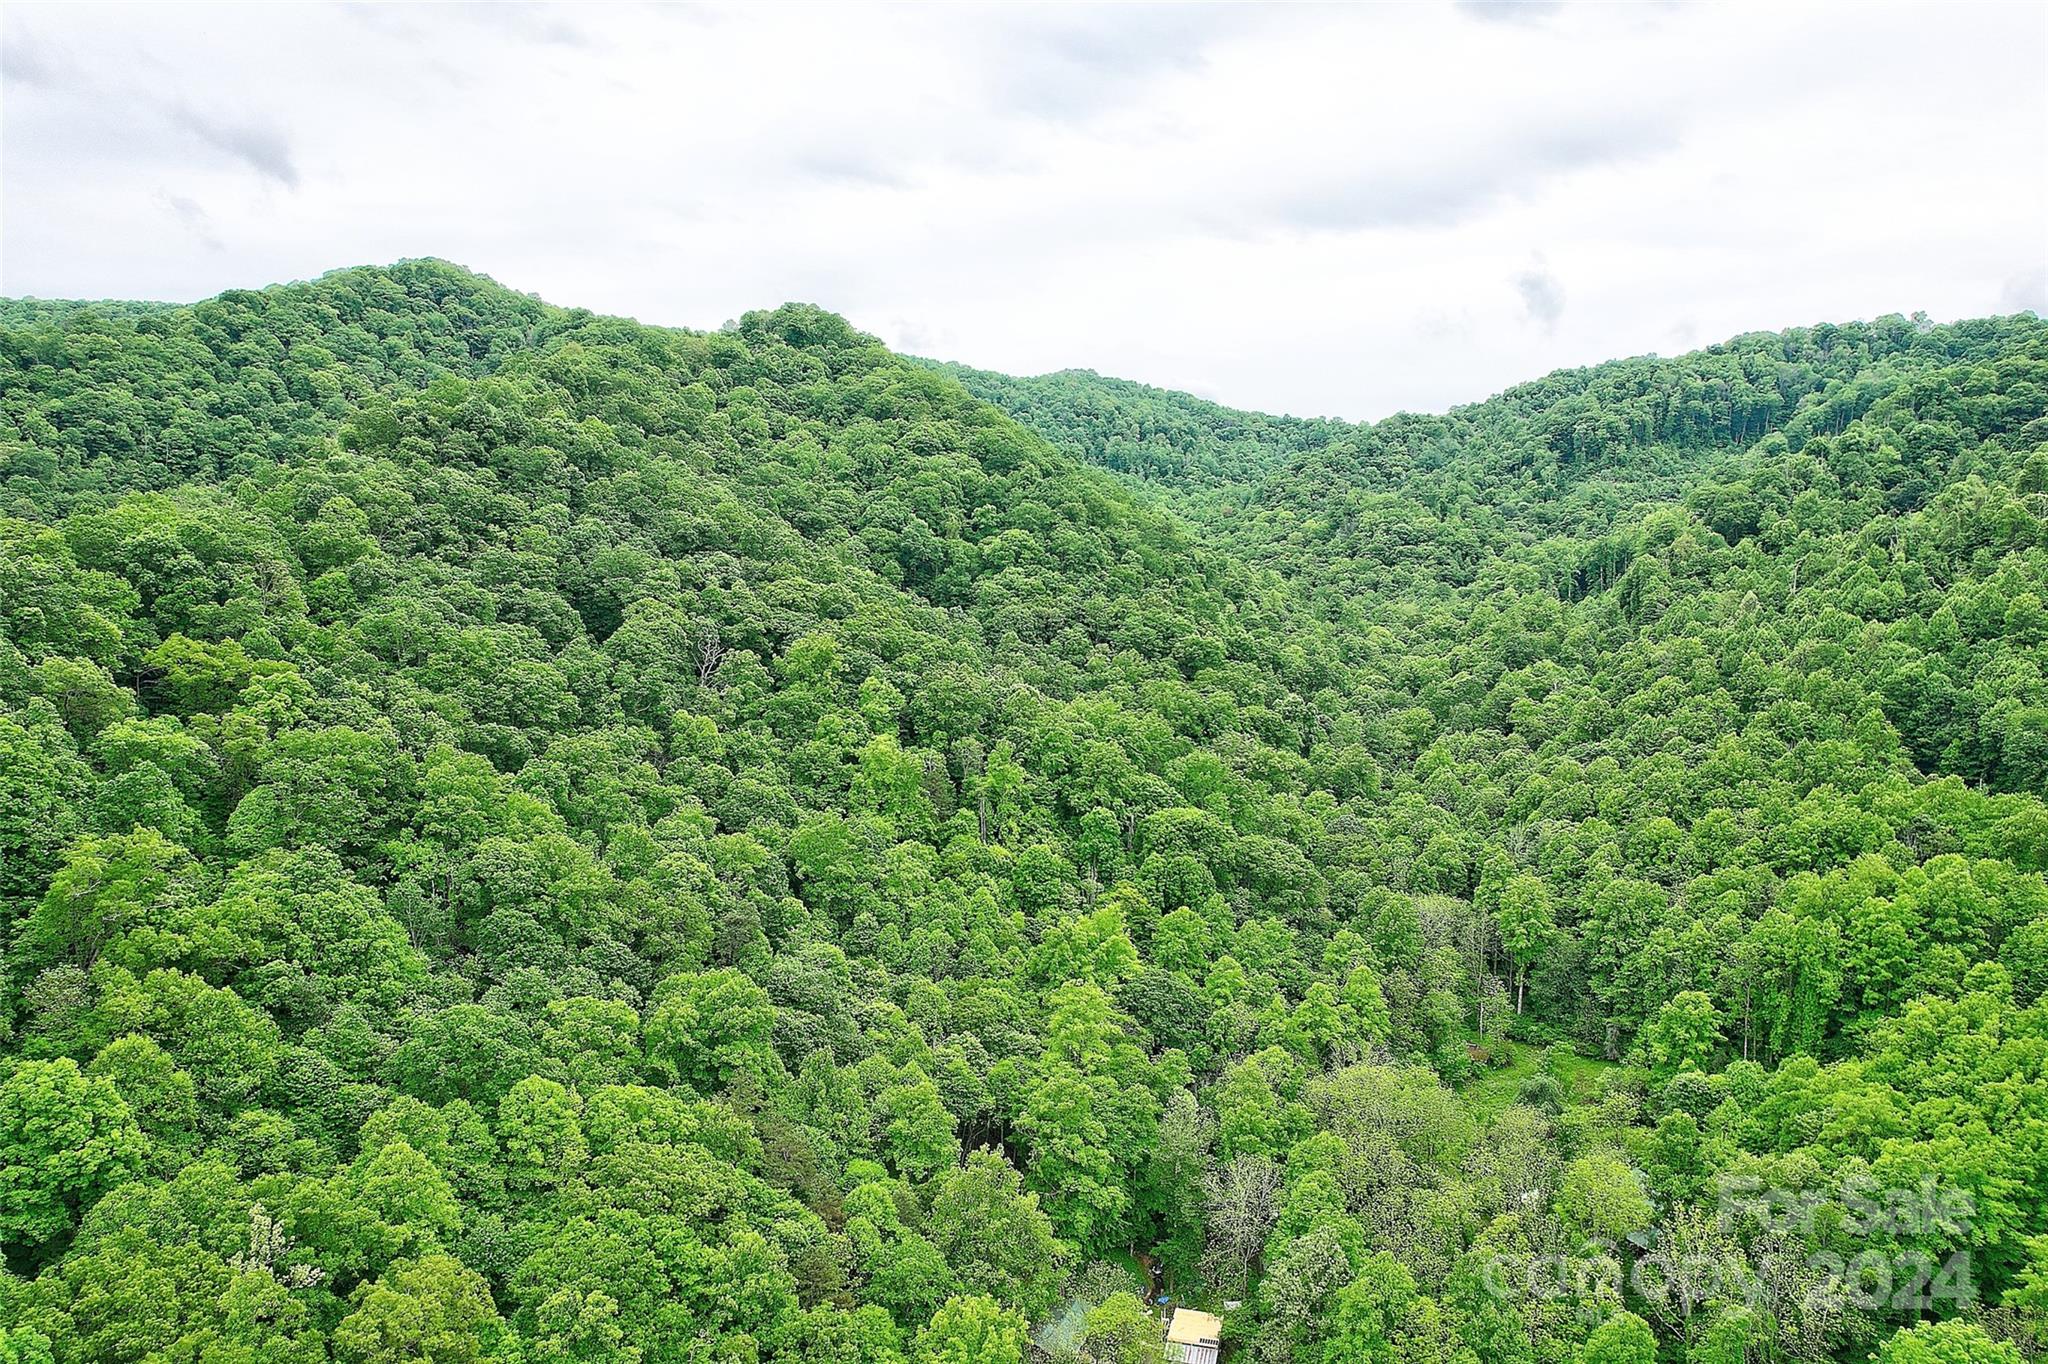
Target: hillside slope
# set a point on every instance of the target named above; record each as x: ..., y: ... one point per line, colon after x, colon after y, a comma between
x: 1172, y: 440
x: 529, y: 836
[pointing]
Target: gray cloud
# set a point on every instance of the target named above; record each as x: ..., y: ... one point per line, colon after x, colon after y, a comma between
x: 192, y: 216
x: 848, y: 165
x: 1441, y: 325
x: 548, y: 25
x: 1067, y: 63
x: 1508, y: 11
x: 1542, y: 296
x: 545, y: 25
x: 23, y: 61
x: 915, y: 337
x: 387, y: 19
x: 262, y: 149
x: 2026, y: 292
x: 1133, y: 42
x: 1458, y: 182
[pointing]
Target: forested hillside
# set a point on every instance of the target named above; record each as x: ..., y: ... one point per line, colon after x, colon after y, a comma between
x: 529, y: 837
x: 1172, y: 441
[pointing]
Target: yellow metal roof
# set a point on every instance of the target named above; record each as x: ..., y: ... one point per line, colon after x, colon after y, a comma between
x: 1190, y: 1327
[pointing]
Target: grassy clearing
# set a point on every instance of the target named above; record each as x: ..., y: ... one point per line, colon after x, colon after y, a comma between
x: 1492, y: 1090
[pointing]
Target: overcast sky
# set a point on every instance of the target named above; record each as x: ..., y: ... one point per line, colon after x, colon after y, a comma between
x: 1319, y: 211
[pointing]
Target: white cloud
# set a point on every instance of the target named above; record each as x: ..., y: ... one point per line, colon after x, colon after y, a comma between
x: 1312, y: 210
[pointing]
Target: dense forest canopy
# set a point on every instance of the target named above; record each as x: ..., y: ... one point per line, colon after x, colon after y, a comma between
x: 530, y: 837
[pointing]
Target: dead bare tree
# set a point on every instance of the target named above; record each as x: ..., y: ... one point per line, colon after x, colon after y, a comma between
x: 710, y: 653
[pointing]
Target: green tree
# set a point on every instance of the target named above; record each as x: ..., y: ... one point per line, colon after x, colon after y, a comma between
x: 712, y: 1027
x: 67, y: 1138
x: 20, y: 1345
x: 432, y: 1310
x: 539, y: 1136
x: 583, y: 1328
x: 1684, y: 1035
x: 1120, y: 1331
x: 1072, y: 1168
x: 972, y: 1330
x: 129, y: 897
x: 919, y: 1134
x: 994, y: 1237
x: 1527, y: 923
x: 1945, y: 1342
x: 1600, y: 1196
x: 1623, y: 1338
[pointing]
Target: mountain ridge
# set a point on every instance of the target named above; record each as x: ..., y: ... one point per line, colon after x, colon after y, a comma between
x: 29, y: 310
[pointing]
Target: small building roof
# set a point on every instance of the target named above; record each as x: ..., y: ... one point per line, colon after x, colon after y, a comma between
x: 1189, y: 1327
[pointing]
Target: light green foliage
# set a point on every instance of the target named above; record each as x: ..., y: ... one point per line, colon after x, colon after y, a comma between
x: 1121, y: 1331
x: 1379, y: 1317
x: 1601, y: 1196
x: 2028, y: 1296
x: 20, y: 1345
x: 411, y: 1198
x: 971, y: 1330
x: 1684, y: 1035
x: 581, y: 1327
x: 540, y: 1140
x: 920, y: 1131
x: 897, y: 1267
x: 65, y: 1139
x: 431, y: 1310
x: 1528, y: 926
x: 1948, y: 1342
x: 1623, y: 1338
x: 127, y: 898
x: 161, y: 1097
x: 712, y: 1028
x: 995, y: 1238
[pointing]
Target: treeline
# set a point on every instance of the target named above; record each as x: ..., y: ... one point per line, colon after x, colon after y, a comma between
x: 1177, y: 443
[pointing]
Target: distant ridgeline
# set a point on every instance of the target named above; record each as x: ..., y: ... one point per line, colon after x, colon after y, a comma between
x: 529, y: 837
x: 31, y: 312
